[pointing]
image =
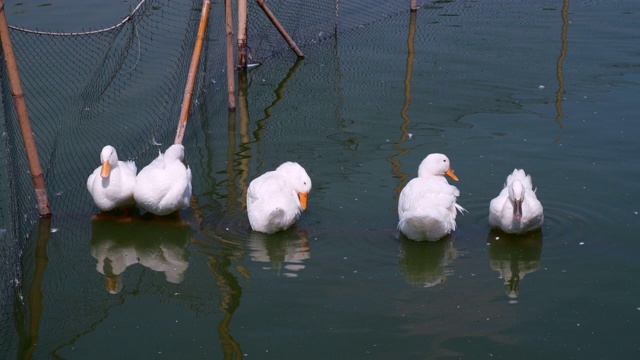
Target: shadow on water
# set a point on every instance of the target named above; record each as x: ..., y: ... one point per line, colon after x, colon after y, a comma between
x: 514, y: 256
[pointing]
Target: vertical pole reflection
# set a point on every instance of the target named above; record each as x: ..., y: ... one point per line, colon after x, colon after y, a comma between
x: 242, y: 155
x: 231, y: 138
x: 407, y: 101
x: 230, y: 294
x: 35, y: 291
x: 563, y: 53
x: 279, y: 96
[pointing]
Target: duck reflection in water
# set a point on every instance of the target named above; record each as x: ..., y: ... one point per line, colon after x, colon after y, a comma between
x: 283, y: 250
x: 426, y: 263
x: 514, y: 256
x: 159, y: 246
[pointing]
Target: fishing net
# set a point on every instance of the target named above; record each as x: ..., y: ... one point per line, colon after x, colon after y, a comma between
x: 123, y: 85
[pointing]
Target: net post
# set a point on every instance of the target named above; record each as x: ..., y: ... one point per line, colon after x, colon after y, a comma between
x: 280, y: 29
x: 231, y: 79
x: 193, y: 69
x: 242, y: 34
x: 23, y: 117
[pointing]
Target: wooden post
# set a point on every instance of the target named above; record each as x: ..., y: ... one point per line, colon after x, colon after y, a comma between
x: 193, y: 70
x: 242, y: 34
x: 23, y: 117
x: 280, y: 29
x: 231, y: 80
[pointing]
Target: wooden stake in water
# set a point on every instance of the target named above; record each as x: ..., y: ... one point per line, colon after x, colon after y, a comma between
x: 193, y: 70
x: 231, y: 78
x: 280, y: 29
x: 23, y: 117
x: 242, y: 34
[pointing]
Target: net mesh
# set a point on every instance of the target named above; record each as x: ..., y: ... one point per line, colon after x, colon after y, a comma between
x: 124, y: 86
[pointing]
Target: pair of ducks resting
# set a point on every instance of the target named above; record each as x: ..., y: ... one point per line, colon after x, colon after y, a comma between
x: 161, y: 188
x: 427, y: 205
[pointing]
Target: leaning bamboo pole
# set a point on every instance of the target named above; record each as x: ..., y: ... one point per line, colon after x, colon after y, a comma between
x: 193, y: 70
x: 280, y: 29
x: 242, y: 34
x: 414, y: 5
x: 23, y: 117
x: 231, y: 78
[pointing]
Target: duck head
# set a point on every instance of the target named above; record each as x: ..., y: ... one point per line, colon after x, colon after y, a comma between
x: 436, y: 164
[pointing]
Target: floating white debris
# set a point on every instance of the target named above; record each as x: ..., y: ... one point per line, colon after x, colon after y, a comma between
x: 581, y: 242
x: 54, y: 230
x: 540, y: 86
x: 410, y: 135
x: 155, y: 142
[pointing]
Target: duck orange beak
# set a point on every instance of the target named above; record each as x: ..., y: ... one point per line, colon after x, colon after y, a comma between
x: 111, y: 285
x: 303, y: 200
x: 451, y: 174
x: 106, y: 169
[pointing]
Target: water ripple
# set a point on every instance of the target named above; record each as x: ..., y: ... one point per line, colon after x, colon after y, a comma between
x: 283, y: 252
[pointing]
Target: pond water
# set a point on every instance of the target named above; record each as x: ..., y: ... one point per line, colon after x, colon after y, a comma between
x: 550, y: 88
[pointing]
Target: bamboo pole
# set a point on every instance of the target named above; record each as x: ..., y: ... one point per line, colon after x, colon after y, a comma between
x: 414, y: 5
x: 242, y: 34
x: 231, y: 80
x: 280, y: 29
x: 23, y: 117
x: 193, y: 69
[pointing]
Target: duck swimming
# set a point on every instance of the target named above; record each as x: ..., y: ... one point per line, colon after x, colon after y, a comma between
x: 427, y: 204
x: 164, y: 186
x: 516, y: 210
x: 276, y: 198
x: 111, y: 184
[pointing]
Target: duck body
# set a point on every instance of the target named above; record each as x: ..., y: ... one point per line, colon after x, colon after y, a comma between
x: 111, y: 184
x: 164, y: 186
x: 516, y: 210
x: 276, y: 198
x: 427, y: 205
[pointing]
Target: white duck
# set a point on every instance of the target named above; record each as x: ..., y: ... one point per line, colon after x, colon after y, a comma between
x: 164, y: 186
x: 427, y: 205
x: 276, y: 198
x: 517, y: 209
x: 111, y: 184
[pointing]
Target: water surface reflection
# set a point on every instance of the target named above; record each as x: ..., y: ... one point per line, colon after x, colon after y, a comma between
x: 159, y: 245
x: 514, y: 256
x: 426, y: 263
x: 285, y: 250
